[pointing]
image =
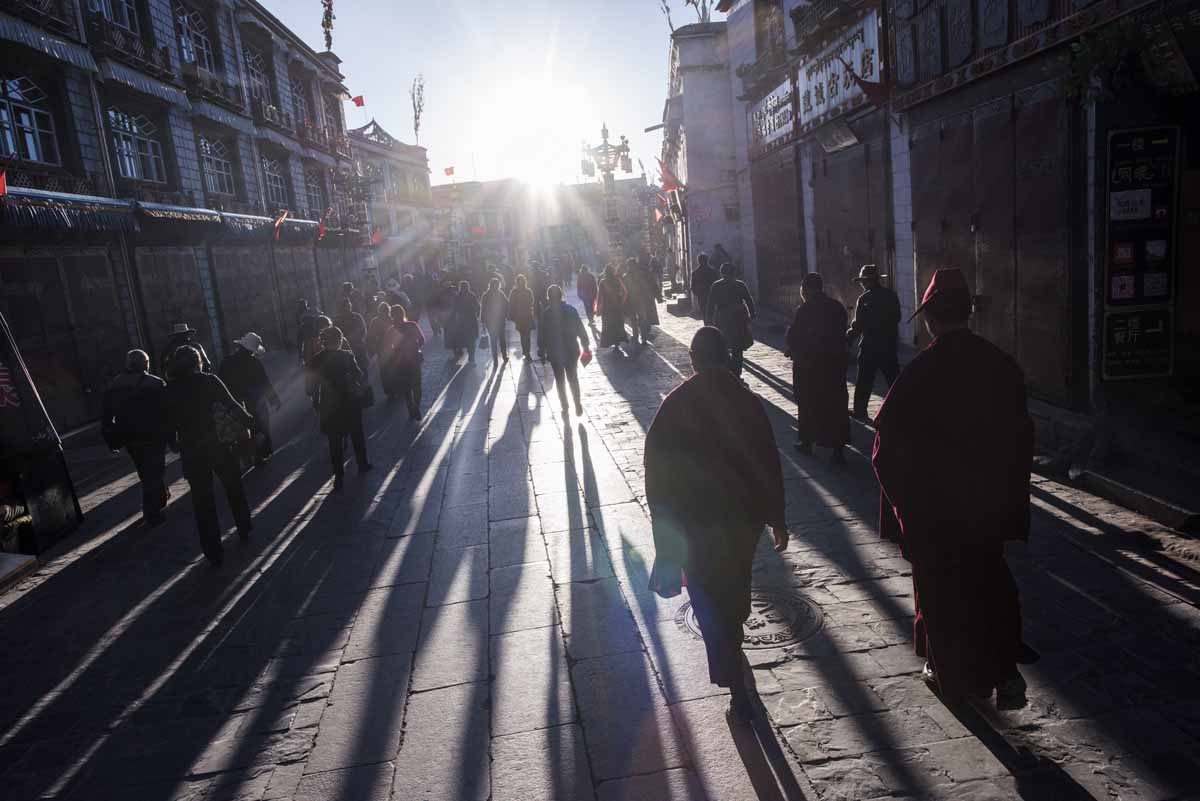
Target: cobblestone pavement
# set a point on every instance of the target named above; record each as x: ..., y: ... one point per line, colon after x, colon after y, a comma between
x: 471, y: 621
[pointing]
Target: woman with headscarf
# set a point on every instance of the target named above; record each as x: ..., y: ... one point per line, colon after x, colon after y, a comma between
x: 612, y: 301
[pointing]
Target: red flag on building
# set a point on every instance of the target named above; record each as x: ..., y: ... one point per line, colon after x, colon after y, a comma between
x: 321, y: 227
x: 283, y: 215
x: 358, y: 101
x: 4, y: 174
x: 449, y: 171
x: 377, y: 236
x: 875, y: 92
x: 669, y: 181
x: 658, y: 215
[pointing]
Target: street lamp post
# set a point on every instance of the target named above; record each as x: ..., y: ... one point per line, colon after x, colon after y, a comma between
x: 608, y: 158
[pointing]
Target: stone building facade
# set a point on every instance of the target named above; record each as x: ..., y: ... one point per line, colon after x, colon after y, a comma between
x: 156, y: 143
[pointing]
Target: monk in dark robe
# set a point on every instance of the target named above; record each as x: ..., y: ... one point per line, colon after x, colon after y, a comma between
x: 816, y: 343
x: 713, y: 480
x: 953, y: 449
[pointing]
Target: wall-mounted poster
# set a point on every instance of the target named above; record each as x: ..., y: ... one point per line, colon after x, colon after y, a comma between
x: 1139, y: 287
x: 1143, y: 179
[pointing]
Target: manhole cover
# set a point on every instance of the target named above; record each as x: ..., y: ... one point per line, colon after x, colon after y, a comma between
x: 777, y: 618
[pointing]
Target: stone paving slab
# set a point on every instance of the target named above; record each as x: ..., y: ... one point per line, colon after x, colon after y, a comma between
x: 543, y: 765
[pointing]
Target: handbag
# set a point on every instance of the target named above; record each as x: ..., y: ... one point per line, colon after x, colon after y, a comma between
x: 230, y: 433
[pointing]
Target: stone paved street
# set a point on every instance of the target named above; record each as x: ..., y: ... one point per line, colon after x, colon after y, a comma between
x: 471, y: 621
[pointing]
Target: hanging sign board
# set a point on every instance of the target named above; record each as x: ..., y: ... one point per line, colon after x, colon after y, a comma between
x: 825, y: 87
x: 773, y: 119
x: 1142, y: 191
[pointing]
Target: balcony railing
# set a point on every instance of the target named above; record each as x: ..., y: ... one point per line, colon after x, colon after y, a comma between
x: 769, y: 66
x: 52, y: 14
x: 341, y: 145
x: 49, y: 179
x: 110, y: 39
x: 155, y: 194
x: 209, y: 86
x: 231, y: 205
x: 271, y: 115
x: 313, y: 136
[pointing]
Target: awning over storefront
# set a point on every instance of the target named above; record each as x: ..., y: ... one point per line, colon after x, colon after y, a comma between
x: 161, y: 211
x: 112, y: 71
x: 21, y: 32
x: 250, y: 228
x: 56, y: 211
x: 227, y: 118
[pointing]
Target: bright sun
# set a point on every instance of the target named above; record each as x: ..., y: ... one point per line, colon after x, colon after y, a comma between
x: 539, y: 125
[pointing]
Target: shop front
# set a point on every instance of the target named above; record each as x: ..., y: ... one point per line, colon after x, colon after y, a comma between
x: 844, y: 149
x: 774, y: 182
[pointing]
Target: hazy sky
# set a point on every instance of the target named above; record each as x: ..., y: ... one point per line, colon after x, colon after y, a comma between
x: 511, y: 88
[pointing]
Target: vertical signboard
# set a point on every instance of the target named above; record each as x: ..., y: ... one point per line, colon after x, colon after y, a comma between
x: 1139, y: 279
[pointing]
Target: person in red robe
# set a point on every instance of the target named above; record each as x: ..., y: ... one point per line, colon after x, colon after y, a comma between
x: 816, y: 343
x: 953, y: 451
x: 713, y: 480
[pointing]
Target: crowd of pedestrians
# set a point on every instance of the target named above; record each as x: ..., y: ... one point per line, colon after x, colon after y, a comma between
x: 952, y: 462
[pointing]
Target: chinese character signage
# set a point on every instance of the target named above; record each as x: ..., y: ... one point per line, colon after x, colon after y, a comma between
x: 1138, y: 343
x: 824, y: 85
x: 1143, y: 191
x: 772, y: 119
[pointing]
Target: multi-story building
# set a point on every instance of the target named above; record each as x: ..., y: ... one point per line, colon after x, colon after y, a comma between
x: 399, y: 202
x: 702, y: 131
x: 481, y: 222
x: 584, y: 224
x: 155, y: 144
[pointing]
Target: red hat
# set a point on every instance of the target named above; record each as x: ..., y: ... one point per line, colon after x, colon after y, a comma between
x: 948, y: 283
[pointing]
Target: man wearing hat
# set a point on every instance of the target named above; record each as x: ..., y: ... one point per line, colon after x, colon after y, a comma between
x: 953, y: 449
x: 816, y: 343
x: 247, y: 381
x: 182, y: 334
x: 876, y: 317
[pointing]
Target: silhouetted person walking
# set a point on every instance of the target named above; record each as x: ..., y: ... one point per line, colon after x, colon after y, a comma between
x: 341, y: 389
x: 210, y: 427
x: 953, y: 451
x: 713, y: 480
x: 564, y: 336
x: 134, y: 417
x: 494, y: 315
x: 248, y: 383
x: 400, y: 361
x: 816, y: 344
x: 703, y: 277
x: 876, y: 322
x: 522, y: 311
x: 613, y: 299
x: 730, y: 308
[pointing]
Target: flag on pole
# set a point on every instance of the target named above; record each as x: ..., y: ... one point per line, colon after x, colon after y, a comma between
x: 449, y: 171
x: 358, y: 101
x: 669, y: 181
x: 283, y: 215
x: 377, y: 236
x: 658, y: 215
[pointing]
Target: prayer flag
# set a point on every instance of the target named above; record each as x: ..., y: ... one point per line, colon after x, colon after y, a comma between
x: 283, y: 215
x: 321, y: 227
x: 669, y: 181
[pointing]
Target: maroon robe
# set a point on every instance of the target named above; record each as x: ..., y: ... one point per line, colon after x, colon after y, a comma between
x: 953, y: 450
x: 816, y: 341
x: 713, y: 480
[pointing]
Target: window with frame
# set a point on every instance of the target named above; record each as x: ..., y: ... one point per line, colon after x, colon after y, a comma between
x: 26, y: 124
x: 275, y: 181
x: 333, y: 117
x: 770, y: 27
x: 138, y: 149
x: 314, y: 191
x: 258, y: 71
x: 217, y: 165
x: 301, y: 107
x: 195, y: 46
x: 122, y: 13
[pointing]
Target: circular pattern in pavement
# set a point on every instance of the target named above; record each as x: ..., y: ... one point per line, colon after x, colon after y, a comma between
x: 777, y: 618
